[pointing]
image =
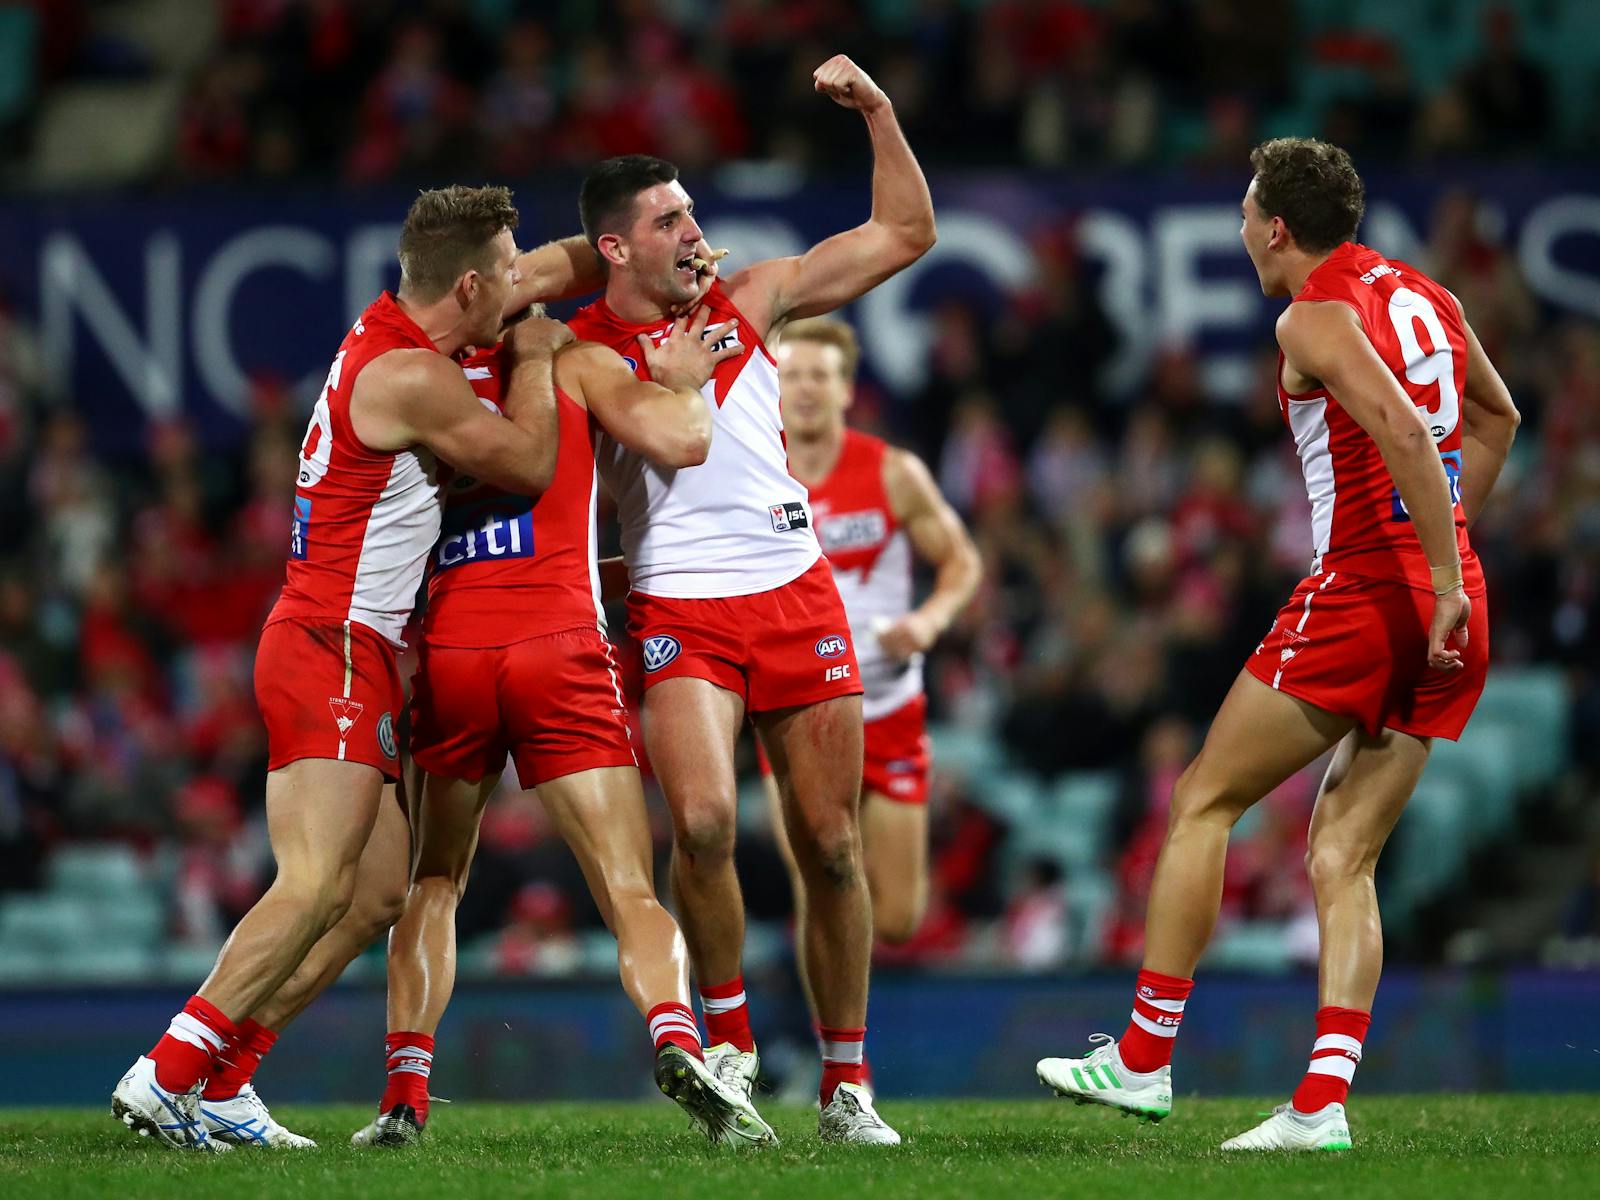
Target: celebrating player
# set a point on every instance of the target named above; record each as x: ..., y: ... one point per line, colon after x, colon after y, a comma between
x: 515, y: 660
x: 734, y: 609
x: 366, y: 513
x: 1402, y: 426
x: 873, y: 506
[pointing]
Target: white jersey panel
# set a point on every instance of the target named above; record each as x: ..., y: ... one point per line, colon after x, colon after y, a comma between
x: 874, y: 599
x: 400, y: 533
x: 737, y: 524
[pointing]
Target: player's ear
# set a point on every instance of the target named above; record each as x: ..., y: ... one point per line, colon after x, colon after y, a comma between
x: 613, y: 252
x: 467, y: 288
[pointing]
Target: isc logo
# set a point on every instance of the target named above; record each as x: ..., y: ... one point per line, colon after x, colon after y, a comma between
x: 832, y: 646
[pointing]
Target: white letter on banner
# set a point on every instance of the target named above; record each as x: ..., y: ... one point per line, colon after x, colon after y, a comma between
x: 71, y: 284
x: 1187, y: 303
x: 270, y: 245
x: 1117, y: 242
x: 1563, y: 216
x: 895, y: 338
x: 370, y: 263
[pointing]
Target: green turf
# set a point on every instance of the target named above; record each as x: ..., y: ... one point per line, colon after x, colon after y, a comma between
x: 1446, y: 1147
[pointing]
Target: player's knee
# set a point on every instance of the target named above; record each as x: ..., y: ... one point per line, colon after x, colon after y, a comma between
x: 706, y: 832
x: 896, y: 923
x: 379, y: 911
x: 1204, y: 796
x: 829, y: 852
x: 1332, y: 862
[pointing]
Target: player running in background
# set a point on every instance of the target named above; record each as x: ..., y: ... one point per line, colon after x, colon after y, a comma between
x: 515, y: 661
x: 366, y: 514
x: 1402, y: 426
x: 874, y: 507
x: 730, y: 601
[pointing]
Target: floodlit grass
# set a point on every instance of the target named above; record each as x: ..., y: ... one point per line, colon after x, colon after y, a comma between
x: 1449, y: 1147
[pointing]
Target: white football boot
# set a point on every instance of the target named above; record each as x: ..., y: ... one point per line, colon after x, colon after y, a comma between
x: 723, y: 1113
x: 1103, y: 1078
x: 1289, y: 1129
x: 168, y: 1118
x: 849, y: 1118
x: 735, y: 1068
x: 245, y: 1121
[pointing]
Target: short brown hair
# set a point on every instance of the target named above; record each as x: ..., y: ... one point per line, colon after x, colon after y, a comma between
x: 828, y: 331
x: 1313, y: 186
x: 448, y: 232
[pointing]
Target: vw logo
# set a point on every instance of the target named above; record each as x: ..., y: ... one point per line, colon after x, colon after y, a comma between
x: 660, y: 650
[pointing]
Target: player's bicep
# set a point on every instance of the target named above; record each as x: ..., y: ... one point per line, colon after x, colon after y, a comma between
x: 1326, y: 342
x: 935, y: 529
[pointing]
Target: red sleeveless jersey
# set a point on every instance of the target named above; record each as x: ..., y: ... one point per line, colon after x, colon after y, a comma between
x: 1359, y: 525
x: 364, y: 520
x: 507, y: 567
x: 871, y: 559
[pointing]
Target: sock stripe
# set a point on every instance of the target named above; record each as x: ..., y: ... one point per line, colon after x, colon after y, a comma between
x: 1162, y: 1005
x: 1336, y: 1065
x: 1150, y: 1027
x: 191, y: 1029
x: 1337, y: 1043
x: 721, y: 1004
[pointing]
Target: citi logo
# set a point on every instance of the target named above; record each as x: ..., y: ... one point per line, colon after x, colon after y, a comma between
x: 832, y: 646
x: 660, y: 650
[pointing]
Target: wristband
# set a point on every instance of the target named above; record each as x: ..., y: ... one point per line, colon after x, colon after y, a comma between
x: 1446, y: 579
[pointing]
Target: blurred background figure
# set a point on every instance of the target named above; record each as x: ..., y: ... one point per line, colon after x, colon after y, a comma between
x: 191, y: 194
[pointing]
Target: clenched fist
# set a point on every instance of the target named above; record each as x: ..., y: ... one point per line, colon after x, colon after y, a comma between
x: 847, y: 84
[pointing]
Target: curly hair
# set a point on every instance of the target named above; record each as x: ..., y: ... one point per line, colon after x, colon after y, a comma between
x: 1313, y: 186
x: 448, y: 232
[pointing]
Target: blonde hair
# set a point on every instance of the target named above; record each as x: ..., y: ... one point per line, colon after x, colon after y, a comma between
x: 448, y: 232
x: 828, y: 331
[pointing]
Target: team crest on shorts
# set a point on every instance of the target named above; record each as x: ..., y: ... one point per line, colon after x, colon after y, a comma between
x: 386, y: 741
x: 660, y: 650
x: 831, y: 646
x: 345, y: 714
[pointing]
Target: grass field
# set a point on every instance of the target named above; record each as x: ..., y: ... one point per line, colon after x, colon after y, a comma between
x: 1446, y: 1146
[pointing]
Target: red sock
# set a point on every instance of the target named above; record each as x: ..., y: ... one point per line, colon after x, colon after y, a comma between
x: 674, y: 1023
x: 184, y: 1054
x: 866, y: 1063
x: 237, y: 1063
x: 1334, y: 1055
x: 727, y: 1015
x: 844, y: 1058
x: 1158, y: 1002
x: 410, y: 1060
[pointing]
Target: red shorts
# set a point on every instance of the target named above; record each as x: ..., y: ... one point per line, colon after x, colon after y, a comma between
x: 780, y: 649
x: 1358, y: 648
x: 553, y: 703
x: 328, y: 689
x: 897, y: 756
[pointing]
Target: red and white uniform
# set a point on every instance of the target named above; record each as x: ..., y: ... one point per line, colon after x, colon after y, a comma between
x: 364, y: 520
x: 514, y: 658
x: 727, y: 580
x: 871, y: 558
x: 1353, y: 638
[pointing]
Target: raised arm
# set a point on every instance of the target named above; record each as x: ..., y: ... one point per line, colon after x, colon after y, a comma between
x: 836, y: 271
x: 417, y: 397
x: 1326, y: 343
x: 556, y: 271
x: 1489, y: 421
x: 938, y: 537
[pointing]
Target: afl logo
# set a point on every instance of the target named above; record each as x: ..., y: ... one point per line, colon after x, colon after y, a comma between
x: 386, y: 735
x: 659, y: 651
x: 832, y: 646
x: 633, y: 364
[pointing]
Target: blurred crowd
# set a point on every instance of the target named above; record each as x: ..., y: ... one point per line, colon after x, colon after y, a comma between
x: 1136, y: 547
x: 374, y: 90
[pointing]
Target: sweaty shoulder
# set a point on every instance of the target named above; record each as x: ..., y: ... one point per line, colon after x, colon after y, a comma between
x: 390, y: 386
x: 584, y: 364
